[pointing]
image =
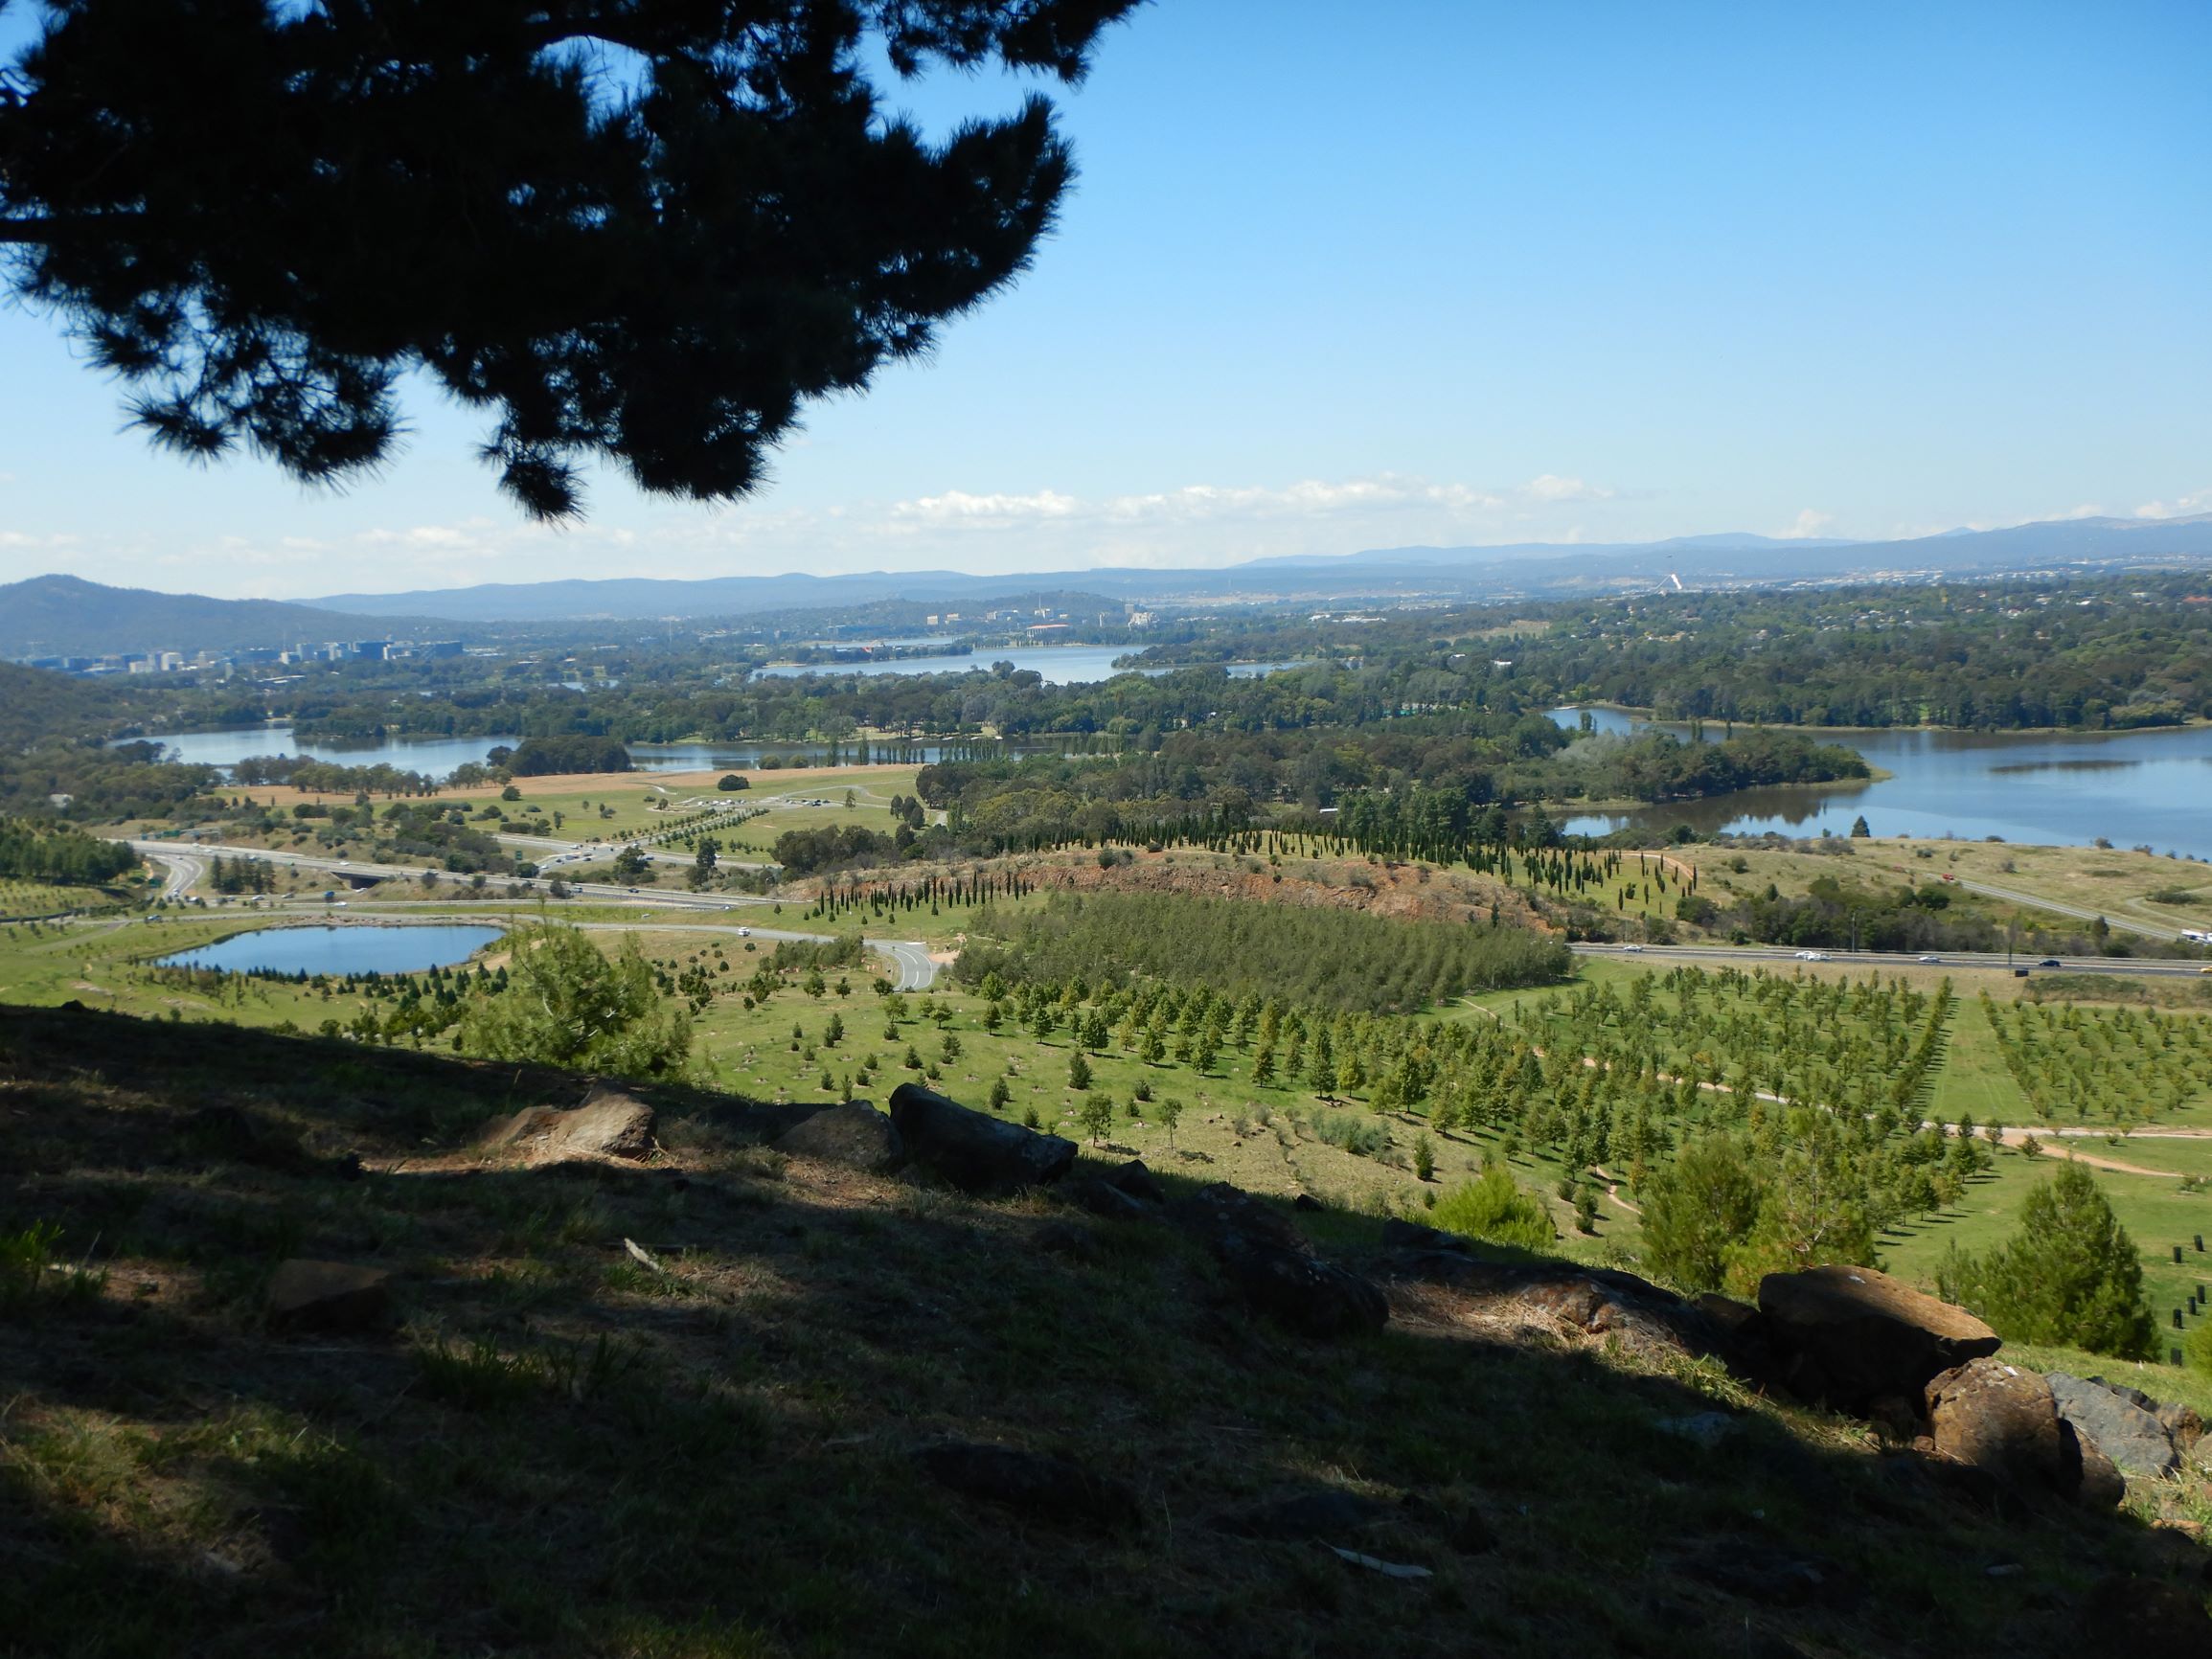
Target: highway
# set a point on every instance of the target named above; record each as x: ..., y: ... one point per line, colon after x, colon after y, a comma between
x: 1742, y: 954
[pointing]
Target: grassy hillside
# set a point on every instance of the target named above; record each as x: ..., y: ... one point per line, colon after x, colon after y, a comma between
x: 558, y: 1448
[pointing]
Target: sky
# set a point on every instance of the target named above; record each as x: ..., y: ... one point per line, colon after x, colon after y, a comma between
x: 1411, y: 272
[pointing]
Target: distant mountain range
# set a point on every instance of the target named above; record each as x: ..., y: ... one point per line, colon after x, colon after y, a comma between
x: 1521, y: 570
x: 55, y: 616
x: 61, y: 615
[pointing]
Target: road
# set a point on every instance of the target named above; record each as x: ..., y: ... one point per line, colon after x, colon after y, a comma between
x: 2079, y: 913
x: 909, y: 959
x: 1746, y: 953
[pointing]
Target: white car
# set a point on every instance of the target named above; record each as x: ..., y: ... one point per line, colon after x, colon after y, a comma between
x: 1931, y: 959
x: 1812, y: 956
x: 1636, y: 948
x: 744, y: 933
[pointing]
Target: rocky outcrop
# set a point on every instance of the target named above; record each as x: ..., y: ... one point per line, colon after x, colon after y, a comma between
x: 1273, y: 1269
x: 854, y: 1134
x: 1579, y: 1300
x: 329, y: 1296
x: 1847, y: 1336
x: 2003, y: 1419
x: 974, y: 1150
x: 1131, y: 1192
x: 609, y: 1125
x: 1044, y: 1488
x: 2115, y: 1425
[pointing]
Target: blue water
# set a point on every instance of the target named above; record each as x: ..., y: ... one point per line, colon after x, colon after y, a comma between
x: 2133, y: 788
x: 1058, y: 665
x: 361, y: 949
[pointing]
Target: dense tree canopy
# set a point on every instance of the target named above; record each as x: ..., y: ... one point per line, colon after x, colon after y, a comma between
x: 645, y: 231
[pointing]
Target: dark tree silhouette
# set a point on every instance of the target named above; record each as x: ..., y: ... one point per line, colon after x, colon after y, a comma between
x: 640, y: 230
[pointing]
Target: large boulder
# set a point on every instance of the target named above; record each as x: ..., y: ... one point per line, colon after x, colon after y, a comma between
x: 329, y: 1296
x: 2001, y: 1419
x: 1574, y: 1301
x: 2115, y: 1425
x: 609, y: 1125
x: 855, y: 1134
x: 974, y: 1150
x: 1270, y: 1262
x: 1845, y: 1337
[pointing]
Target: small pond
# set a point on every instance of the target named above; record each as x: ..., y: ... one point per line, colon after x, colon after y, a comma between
x: 362, y: 948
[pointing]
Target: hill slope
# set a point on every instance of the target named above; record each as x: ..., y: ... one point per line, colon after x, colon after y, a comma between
x: 721, y: 1441
x: 67, y: 616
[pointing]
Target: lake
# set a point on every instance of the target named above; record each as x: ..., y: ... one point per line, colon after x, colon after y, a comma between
x: 2134, y: 789
x: 381, y: 947
x: 437, y: 757
x: 1059, y: 665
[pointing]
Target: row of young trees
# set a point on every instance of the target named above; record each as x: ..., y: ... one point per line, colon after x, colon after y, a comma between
x: 34, y: 851
x: 1338, y: 959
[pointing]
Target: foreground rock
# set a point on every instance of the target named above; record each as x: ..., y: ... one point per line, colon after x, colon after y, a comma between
x: 855, y: 1134
x: 2134, y: 1439
x: 974, y: 1150
x: 1848, y: 1336
x: 1131, y: 1192
x: 1570, y: 1300
x: 2002, y: 1420
x: 1270, y: 1262
x: 1046, y: 1487
x: 609, y: 1125
x: 329, y: 1296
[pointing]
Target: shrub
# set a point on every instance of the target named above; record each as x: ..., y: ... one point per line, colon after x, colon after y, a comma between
x: 1491, y: 1207
x: 2070, y: 1275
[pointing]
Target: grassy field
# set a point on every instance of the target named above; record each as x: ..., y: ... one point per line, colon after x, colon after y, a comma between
x: 1271, y: 1139
x: 27, y: 899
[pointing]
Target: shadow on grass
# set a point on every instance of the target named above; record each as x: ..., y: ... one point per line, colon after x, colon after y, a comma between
x: 558, y: 1448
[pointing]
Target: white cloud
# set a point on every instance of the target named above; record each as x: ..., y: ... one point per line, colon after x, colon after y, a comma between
x: 958, y: 507
x: 2181, y: 507
x: 1809, y: 522
x: 1550, y: 487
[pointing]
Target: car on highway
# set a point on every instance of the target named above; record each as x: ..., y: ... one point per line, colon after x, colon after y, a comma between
x: 2050, y: 962
x: 1632, y: 947
x: 1931, y: 959
x: 1812, y: 956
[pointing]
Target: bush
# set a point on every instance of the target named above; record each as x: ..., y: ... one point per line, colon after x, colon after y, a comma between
x: 1491, y: 1208
x: 1698, y: 1210
x: 730, y: 783
x: 2070, y: 1276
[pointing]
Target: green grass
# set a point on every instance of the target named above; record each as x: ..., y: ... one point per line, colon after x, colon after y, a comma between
x: 544, y: 1457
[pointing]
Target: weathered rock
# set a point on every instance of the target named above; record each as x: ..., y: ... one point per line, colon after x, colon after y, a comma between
x: 2126, y: 1614
x: 2182, y: 1427
x: 2118, y: 1427
x: 855, y: 1134
x: 1583, y: 1300
x: 1268, y: 1261
x: 1046, y: 1487
x: 329, y: 1296
x: 974, y: 1150
x: 1846, y: 1335
x: 2095, y: 1480
x: 1138, y: 1182
x: 1323, y: 1513
x: 1306, y: 1201
x: 1999, y: 1417
x: 1104, y: 1200
x: 610, y: 1124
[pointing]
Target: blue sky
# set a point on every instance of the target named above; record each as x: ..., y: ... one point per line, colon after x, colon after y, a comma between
x: 1408, y: 272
